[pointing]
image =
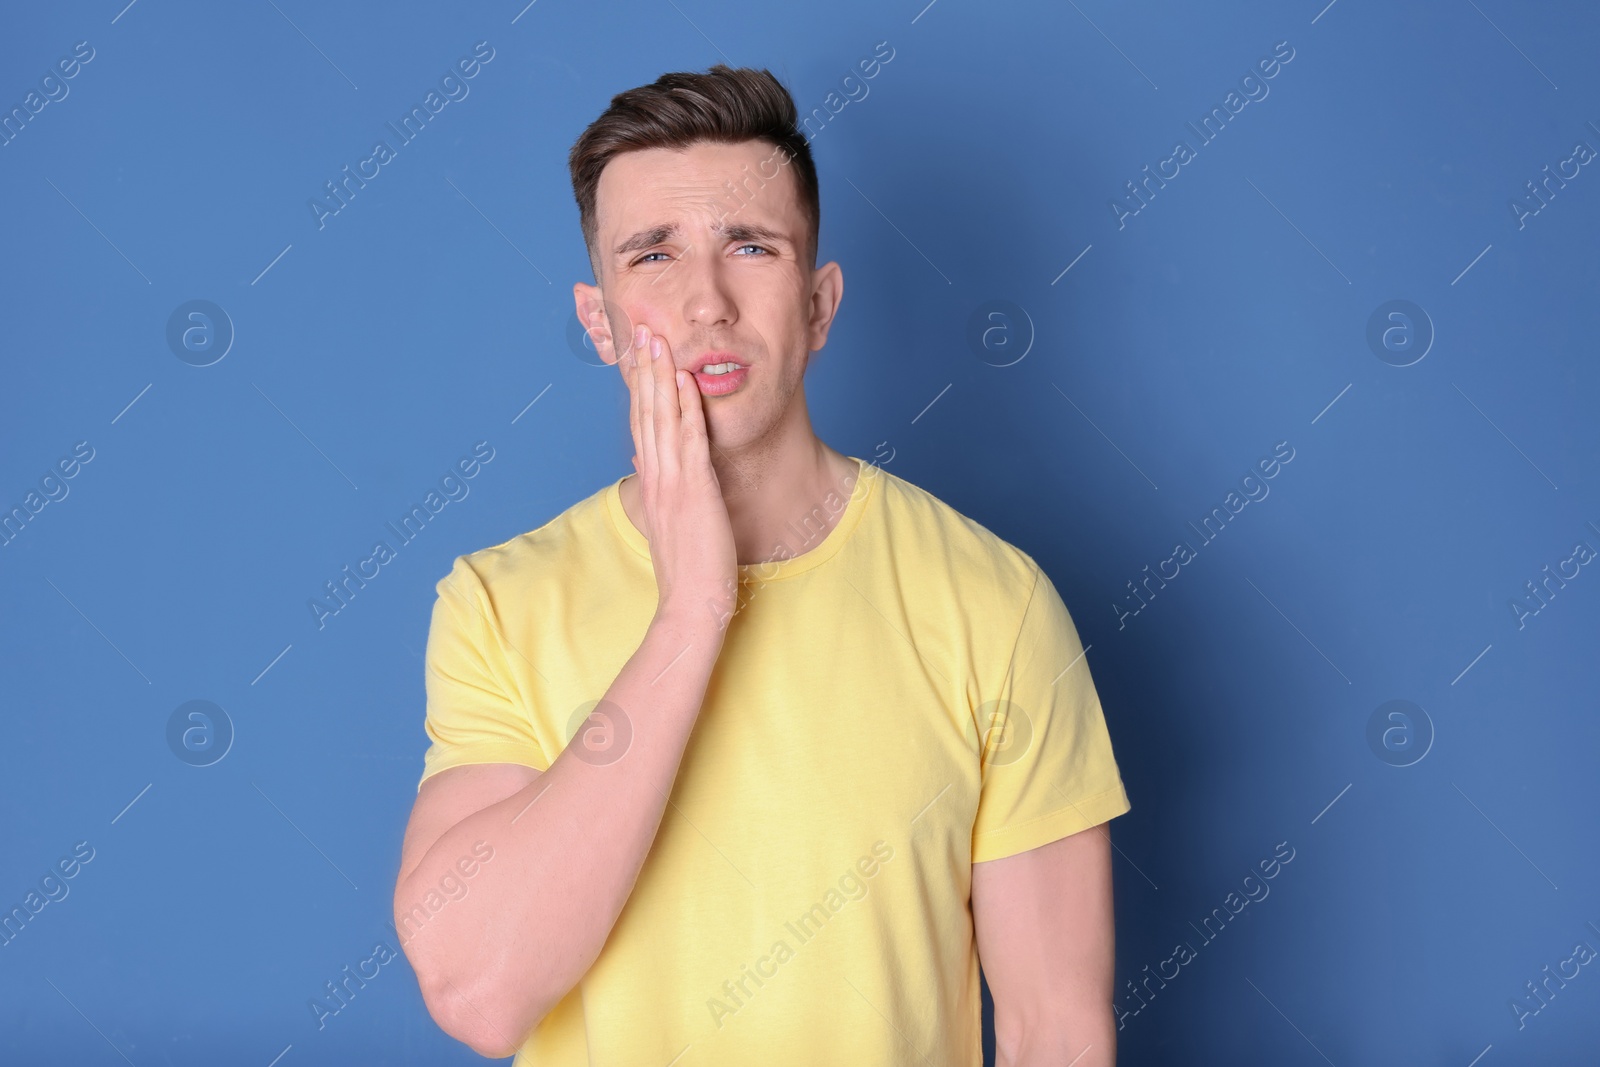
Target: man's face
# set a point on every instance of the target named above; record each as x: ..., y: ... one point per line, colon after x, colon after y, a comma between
x: 713, y: 271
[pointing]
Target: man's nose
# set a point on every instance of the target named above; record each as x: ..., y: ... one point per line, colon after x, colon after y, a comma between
x: 708, y: 297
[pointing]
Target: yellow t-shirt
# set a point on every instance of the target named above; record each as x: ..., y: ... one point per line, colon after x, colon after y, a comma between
x: 806, y: 899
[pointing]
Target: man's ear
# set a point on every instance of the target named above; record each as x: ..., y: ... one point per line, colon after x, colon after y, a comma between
x: 590, y: 304
x: 827, y: 290
x: 603, y: 321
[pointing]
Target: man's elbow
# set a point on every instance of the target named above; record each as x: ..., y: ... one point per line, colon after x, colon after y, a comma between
x: 475, y: 1019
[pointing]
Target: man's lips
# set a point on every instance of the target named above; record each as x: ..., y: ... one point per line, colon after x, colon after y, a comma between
x: 721, y: 384
x: 706, y: 359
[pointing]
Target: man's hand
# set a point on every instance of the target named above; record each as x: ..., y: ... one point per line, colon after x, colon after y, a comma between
x: 691, y: 537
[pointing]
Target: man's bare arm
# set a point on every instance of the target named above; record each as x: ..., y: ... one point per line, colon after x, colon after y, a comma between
x: 568, y: 846
x: 1043, y: 922
x: 492, y: 964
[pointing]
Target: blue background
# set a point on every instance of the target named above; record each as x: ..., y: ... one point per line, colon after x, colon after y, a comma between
x: 1229, y: 314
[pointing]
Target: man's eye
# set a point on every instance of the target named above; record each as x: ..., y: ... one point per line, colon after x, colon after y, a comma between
x: 758, y: 248
x: 647, y: 255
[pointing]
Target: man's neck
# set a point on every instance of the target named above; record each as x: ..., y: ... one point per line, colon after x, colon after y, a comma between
x: 778, y: 501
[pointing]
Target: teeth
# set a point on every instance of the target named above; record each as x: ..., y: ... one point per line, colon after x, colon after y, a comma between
x: 718, y: 368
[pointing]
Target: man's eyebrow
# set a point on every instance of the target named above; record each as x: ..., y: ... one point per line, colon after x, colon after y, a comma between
x: 736, y: 231
x: 742, y: 231
x: 646, y: 238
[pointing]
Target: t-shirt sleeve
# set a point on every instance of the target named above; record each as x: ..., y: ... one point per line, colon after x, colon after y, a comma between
x: 1048, y: 769
x: 473, y: 713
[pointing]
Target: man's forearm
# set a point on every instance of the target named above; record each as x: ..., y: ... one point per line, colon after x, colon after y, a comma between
x: 1080, y: 1036
x: 567, y: 851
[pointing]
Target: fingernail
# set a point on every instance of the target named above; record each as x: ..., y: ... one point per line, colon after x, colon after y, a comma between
x: 638, y: 336
x: 680, y: 379
x: 655, y: 348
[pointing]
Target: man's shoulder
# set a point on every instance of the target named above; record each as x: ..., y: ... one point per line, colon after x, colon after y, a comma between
x: 922, y: 523
x: 552, y: 551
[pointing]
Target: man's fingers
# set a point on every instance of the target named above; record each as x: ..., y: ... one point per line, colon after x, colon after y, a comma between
x: 645, y: 387
x: 693, y: 429
x: 690, y: 403
x: 630, y: 378
x: 668, y: 453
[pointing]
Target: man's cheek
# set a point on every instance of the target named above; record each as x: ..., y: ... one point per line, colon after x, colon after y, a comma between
x: 617, y: 330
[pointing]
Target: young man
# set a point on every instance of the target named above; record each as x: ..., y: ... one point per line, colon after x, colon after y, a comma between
x: 753, y: 754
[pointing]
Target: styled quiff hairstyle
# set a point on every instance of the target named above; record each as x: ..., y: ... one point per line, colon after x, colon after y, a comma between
x: 681, y: 108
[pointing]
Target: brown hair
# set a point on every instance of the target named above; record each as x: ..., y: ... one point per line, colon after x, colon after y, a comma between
x: 681, y: 108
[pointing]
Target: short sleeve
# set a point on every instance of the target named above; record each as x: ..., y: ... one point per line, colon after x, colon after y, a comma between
x: 1048, y: 769
x: 473, y: 716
